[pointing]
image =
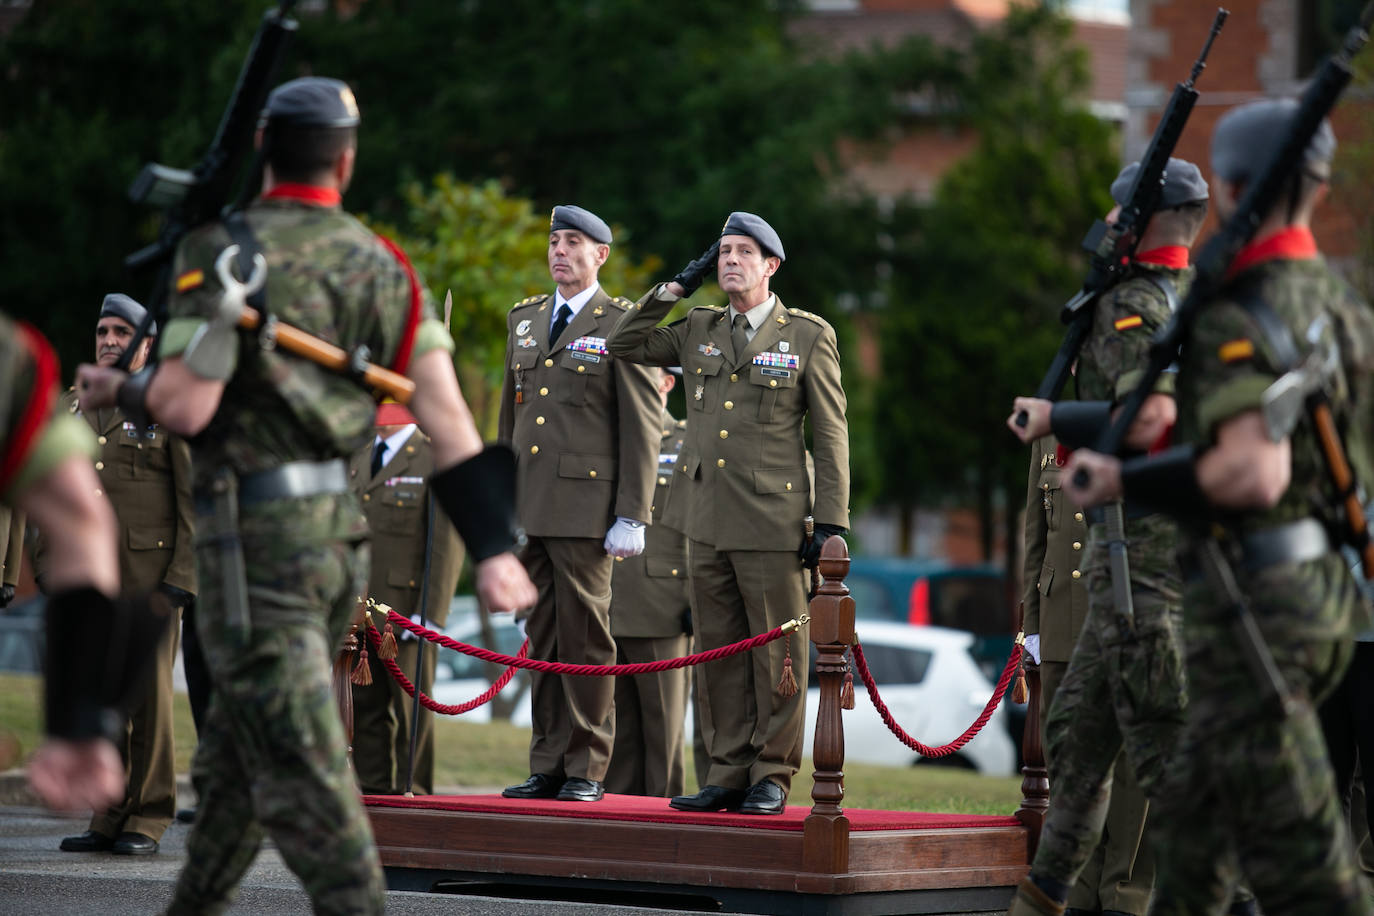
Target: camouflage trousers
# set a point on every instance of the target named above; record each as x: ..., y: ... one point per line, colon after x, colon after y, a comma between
x: 1252, y: 789
x: 1124, y: 689
x: 272, y: 758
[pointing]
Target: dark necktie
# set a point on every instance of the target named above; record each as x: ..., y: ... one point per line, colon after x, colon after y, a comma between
x: 739, y: 336
x: 560, y: 322
x: 378, y: 453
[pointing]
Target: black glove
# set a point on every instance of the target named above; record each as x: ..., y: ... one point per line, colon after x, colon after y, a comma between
x: 810, y: 553
x: 177, y: 597
x: 6, y: 595
x: 689, y: 278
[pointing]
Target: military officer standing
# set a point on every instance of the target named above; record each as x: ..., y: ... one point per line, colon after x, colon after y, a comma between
x: 754, y: 372
x: 11, y: 552
x: 1250, y: 786
x: 282, y: 552
x: 146, y: 473
x: 651, y: 621
x: 393, y: 474
x: 1120, y: 874
x: 585, y: 429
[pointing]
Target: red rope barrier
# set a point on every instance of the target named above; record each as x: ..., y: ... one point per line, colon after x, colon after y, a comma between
x: 918, y: 747
x: 534, y: 664
x: 429, y: 702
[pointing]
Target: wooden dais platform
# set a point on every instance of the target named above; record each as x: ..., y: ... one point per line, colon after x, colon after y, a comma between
x: 822, y: 860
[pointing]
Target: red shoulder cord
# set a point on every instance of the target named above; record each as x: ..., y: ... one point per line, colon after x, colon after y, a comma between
x: 31, y: 421
x: 402, y: 361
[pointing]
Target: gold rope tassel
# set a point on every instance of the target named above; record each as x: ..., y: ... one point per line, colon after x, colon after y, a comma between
x: 362, y: 674
x: 1019, y: 692
x: 847, y: 688
x: 388, y: 647
x: 787, y: 685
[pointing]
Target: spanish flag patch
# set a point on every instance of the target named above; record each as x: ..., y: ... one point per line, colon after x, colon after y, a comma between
x: 1234, y: 351
x: 1130, y: 321
x: 190, y: 280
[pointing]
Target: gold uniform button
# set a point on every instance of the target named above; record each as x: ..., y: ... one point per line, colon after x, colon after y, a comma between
x: 698, y: 370
x: 412, y: 583
x: 789, y: 484
x: 159, y: 543
x: 100, y: 465
x: 1078, y: 516
x: 581, y: 368
x: 1078, y: 574
x: 653, y: 509
x: 720, y: 462
x: 772, y: 383
x: 734, y: 376
x: 729, y: 405
x: 662, y: 481
x: 620, y: 559
x: 548, y: 363
x: 1045, y: 487
x: 592, y: 472
x: 1077, y: 545
x: 367, y: 497
x: 538, y: 421
x: 102, y: 440
x: 534, y: 450
x: 675, y: 572
x: 725, y: 434
x: 543, y: 392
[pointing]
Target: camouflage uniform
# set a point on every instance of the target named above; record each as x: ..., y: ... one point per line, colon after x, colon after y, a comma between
x: 272, y: 758
x: 1125, y: 682
x: 1254, y: 788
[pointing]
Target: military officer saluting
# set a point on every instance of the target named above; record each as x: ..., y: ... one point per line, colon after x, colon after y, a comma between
x: 754, y: 371
x: 651, y: 621
x: 585, y: 429
x: 393, y: 474
x: 146, y: 473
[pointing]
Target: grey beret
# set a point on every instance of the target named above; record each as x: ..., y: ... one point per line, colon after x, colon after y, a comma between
x: 741, y: 223
x: 566, y: 216
x: 1248, y: 135
x: 1183, y: 183
x: 312, y: 101
x: 125, y: 309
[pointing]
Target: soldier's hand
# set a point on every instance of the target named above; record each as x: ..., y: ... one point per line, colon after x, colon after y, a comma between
x: 1099, y: 482
x: 1037, y: 411
x: 1033, y: 646
x: 690, y: 277
x: 810, y: 551
x: 72, y: 775
x: 625, y: 538
x: 96, y: 386
x: 6, y: 595
x: 178, y: 597
x: 503, y: 585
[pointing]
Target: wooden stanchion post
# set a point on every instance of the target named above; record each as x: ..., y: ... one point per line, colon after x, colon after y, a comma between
x: 343, y: 685
x: 825, y: 846
x: 1035, y: 780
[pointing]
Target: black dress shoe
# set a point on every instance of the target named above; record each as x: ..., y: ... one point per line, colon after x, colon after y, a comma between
x: 540, y: 785
x: 579, y: 789
x: 711, y: 798
x: 90, y: 841
x: 187, y: 815
x: 129, y: 843
x: 765, y: 797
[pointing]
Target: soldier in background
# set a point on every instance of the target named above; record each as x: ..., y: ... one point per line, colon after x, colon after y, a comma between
x: 146, y: 473
x: 1119, y: 876
x: 755, y: 372
x: 11, y: 552
x: 651, y: 620
x: 1250, y: 787
x: 585, y: 428
x: 393, y: 475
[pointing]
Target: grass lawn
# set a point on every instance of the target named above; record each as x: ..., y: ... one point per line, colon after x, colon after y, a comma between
x: 490, y: 755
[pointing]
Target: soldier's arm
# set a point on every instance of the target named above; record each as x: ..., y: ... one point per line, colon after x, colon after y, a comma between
x: 636, y: 337
x: 1036, y: 532
x: 181, y: 572
x: 505, y: 427
x: 825, y: 403
x: 638, y: 412
x: 1132, y: 314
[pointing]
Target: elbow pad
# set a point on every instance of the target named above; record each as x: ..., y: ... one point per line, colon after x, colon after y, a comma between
x: 1165, y: 482
x: 1080, y: 424
x: 479, y: 496
x: 99, y: 652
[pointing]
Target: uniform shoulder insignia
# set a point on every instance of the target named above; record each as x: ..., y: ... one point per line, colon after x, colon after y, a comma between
x: 801, y: 313
x: 1233, y: 351
x: 708, y: 308
x: 532, y: 300
x: 1128, y: 322
x: 621, y: 302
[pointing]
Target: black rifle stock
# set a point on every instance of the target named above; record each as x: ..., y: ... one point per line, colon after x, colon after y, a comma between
x: 1113, y: 246
x: 198, y: 196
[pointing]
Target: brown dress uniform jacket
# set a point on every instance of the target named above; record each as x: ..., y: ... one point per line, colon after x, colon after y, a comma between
x: 146, y: 473
x: 649, y: 620
x: 1055, y: 593
x: 396, y: 502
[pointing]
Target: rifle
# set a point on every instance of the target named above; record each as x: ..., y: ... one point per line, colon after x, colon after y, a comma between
x: 1261, y: 195
x: 202, y: 194
x: 1113, y: 246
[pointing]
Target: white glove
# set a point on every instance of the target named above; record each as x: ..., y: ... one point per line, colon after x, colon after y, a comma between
x: 1033, y: 646
x: 625, y: 539
x: 406, y: 634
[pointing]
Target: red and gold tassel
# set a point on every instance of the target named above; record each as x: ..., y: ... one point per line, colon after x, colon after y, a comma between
x: 388, y: 647
x: 362, y: 674
x: 787, y: 685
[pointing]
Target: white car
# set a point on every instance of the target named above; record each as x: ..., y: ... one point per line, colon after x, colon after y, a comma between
x: 459, y: 677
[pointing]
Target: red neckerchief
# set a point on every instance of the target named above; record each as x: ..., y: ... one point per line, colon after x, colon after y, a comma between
x: 1175, y: 256
x: 1293, y: 243
x: 306, y: 194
